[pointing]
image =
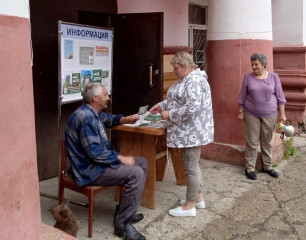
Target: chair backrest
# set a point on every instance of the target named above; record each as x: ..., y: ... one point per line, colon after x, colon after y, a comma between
x: 63, y: 158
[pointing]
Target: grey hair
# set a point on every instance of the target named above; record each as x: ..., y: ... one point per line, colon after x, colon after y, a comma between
x: 92, y: 89
x: 260, y: 57
x: 184, y: 59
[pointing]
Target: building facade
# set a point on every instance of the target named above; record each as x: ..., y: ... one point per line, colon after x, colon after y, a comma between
x: 231, y: 31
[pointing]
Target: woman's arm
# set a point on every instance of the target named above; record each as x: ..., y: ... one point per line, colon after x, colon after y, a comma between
x: 242, y: 97
x: 282, y: 112
x: 241, y: 114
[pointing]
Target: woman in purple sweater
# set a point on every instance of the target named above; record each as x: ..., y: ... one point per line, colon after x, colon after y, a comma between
x: 260, y: 97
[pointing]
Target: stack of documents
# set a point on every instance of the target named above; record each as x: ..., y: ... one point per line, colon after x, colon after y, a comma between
x: 149, y: 120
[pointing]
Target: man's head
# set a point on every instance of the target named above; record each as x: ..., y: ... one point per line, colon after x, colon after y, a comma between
x: 96, y: 95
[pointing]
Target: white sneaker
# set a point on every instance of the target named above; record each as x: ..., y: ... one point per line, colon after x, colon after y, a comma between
x: 179, y: 212
x: 199, y: 205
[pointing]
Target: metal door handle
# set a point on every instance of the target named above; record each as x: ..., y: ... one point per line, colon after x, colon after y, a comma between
x: 151, y: 75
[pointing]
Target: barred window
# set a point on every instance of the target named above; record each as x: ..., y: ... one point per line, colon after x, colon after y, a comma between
x: 197, y: 32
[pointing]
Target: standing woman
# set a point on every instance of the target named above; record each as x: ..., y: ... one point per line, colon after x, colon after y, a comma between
x: 188, y: 111
x: 260, y: 97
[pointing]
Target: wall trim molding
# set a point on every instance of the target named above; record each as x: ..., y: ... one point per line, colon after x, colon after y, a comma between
x: 290, y: 64
x: 287, y: 48
x: 174, y: 49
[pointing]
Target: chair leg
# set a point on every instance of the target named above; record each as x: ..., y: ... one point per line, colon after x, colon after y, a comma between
x: 61, y: 193
x: 90, y: 215
x: 118, y: 193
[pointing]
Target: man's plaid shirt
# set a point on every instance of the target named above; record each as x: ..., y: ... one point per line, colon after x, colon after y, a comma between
x: 88, y: 147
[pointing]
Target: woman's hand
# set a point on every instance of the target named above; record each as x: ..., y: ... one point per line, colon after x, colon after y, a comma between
x: 155, y: 109
x: 282, y: 113
x: 241, y: 116
x: 283, y: 117
x: 165, y: 115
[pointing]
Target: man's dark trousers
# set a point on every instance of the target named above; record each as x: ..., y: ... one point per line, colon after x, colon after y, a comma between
x: 133, y: 178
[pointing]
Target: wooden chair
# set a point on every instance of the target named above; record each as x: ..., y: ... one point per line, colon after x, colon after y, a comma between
x: 67, y: 181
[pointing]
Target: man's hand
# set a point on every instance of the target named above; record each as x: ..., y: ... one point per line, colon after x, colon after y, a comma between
x: 128, y: 161
x: 129, y: 119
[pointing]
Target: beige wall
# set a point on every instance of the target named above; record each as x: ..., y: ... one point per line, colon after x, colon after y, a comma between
x: 167, y: 66
x: 175, y: 17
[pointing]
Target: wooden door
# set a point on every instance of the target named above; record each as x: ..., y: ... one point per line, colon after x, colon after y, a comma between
x: 44, y: 17
x: 138, y: 45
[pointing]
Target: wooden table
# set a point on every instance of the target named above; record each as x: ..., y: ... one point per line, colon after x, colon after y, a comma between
x: 150, y: 143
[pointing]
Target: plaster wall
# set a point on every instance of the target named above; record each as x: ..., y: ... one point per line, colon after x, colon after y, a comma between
x: 289, y: 22
x: 236, y: 30
x: 175, y: 17
x: 304, y: 22
x: 200, y: 2
x: 229, y: 61
x: 239, y: 19
x: 18, y: 8
x: 19, y: 191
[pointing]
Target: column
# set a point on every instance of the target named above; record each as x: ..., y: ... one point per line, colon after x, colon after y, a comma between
x: 289, y: 52
x: 236, y: 30
x: 19, y: 190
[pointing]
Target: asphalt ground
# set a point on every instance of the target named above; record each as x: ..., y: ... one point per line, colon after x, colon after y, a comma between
x: 236, y: 207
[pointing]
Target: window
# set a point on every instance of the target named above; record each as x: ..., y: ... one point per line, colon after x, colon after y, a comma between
x: 197, y: 14
x: 197, y: 32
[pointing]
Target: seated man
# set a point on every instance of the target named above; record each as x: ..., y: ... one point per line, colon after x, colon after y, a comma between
x: 95, y: 162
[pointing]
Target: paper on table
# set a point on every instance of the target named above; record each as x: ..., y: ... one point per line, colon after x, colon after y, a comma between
x: 149, y: 120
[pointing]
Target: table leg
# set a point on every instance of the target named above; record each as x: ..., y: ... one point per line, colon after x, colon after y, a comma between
x: 148, y: 145
x: 178, y: 166
x: 161, y: 168
x: 136, y: 144
x: 161, y: 158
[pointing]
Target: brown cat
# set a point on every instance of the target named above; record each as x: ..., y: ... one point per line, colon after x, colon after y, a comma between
x: 65, y: 219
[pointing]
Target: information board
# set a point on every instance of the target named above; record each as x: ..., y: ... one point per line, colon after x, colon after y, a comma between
x: 86, y: 55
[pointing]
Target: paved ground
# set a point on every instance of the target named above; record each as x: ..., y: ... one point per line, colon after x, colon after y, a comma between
x: 236, y: 208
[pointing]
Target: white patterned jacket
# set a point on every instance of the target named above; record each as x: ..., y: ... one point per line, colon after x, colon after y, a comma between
x: 191, y: 117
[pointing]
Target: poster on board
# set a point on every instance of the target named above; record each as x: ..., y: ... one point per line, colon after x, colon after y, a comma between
x: 85, y: 56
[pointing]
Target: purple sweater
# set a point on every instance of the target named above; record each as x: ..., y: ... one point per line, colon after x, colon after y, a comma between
x: 261, y: 97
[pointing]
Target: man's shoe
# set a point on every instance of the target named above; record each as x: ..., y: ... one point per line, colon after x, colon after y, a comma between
x: 199, y: 205
x: 250, y: 175
x: 128, y: 233
x: 272, y: 173
x: 179, y: 212
x: 134, y: 219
